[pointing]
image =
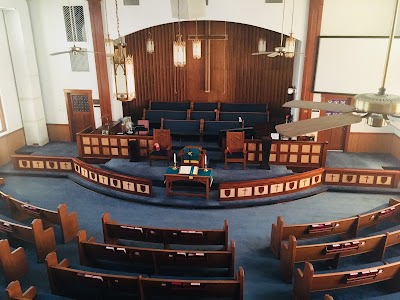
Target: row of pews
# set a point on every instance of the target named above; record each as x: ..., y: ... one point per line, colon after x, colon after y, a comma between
x: 346, y: 243
x: 157, y: 262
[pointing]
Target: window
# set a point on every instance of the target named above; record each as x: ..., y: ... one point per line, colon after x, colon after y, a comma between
x: 74, y: 20
x: 2, y: 120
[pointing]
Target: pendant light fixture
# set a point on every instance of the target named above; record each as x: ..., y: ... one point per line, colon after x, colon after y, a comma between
x: 149, y: 44
x: 179, y: 46
x: 123, y: 68
x: 196, y: 46
x: 290, y: 43
x: 108, y: 42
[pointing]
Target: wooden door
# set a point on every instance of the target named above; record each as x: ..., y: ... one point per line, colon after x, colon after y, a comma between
x: 335, y: 137
x: 80, y: 111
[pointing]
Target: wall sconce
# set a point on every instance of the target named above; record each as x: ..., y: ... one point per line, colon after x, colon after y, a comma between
x: 262, y: 45
x: 149, y: 44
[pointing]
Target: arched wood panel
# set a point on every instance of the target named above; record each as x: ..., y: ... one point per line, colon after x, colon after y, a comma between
x: 236, y: 75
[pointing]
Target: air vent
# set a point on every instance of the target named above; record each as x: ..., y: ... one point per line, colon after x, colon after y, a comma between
x: 273, y: 1
x: 74, y: 20
x: 79, y: 62
x: 131, y: 2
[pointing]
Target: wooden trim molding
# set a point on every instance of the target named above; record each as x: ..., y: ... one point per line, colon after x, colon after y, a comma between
x: 96, y: 22
x: 59, y: 132
x: 313, y: 32
x: 9, y: 143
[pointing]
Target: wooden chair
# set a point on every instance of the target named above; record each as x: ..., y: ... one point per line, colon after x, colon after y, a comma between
x: 196, y: 161
x: 234, y: 150
x: 14, y: 291
x: 162, y: 137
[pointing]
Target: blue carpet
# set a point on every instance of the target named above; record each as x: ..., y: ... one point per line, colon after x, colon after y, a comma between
x: 249, y: 227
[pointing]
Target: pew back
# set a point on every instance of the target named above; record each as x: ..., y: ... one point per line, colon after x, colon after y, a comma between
x: 113, y: 231
x: 13, y: 263
x: 22, y: 210
x: 243, y: 107
x: 160, y: 105
x: 171, y: 288
x: 348, y: 226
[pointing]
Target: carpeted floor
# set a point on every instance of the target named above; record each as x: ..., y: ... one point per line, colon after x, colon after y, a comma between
x: 249, y: 227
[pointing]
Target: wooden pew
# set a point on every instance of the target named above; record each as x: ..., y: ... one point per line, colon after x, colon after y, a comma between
x: 13, y: 263
x: 112, y: 232
x: 14, y: 292
x: 307, y: 281
x: 171, y: 288
x: 348, y: 227
x: 22, y: 210
x: 292, y: 253
x: 161, y: 105
x: 65, y: 281
x: 92, y: 254
x: 44, y: 240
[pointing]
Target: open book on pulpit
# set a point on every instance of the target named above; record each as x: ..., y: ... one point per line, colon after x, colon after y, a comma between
x: 188, y: 170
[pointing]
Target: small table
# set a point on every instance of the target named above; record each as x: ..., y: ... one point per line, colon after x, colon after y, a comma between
x: 203, y: 176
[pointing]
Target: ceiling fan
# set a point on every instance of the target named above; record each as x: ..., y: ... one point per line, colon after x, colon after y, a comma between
x: 376, y: 108
x: 290, y: 44
x: 74, y: 50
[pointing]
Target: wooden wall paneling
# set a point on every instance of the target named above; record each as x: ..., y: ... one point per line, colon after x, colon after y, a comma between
x: 9, y: 143
x: 396, y: 146
x: 370, y: 142
x: 252, y: 79
x: 58, y: 132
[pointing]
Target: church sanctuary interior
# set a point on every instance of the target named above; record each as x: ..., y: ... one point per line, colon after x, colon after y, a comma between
x: 200, y: 149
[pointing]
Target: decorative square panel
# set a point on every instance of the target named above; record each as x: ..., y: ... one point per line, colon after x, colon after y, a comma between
x: 123, y: 142
x: 52, y: 165
x: 314, y: 159
x: 96, y: 150
x: 250, y: 157
x: 129, y: 186
x: 114, y: 142
x: 142, y: 188
x: 84, y: 172
x: 283, y: 157
x: 105, y: 141
x: 329, y: 177
x: 304, y: 182
x: 349, y: 178
x: 95, y: 141
x: 80, y: 103
x: 227, y: 193
x: 290, y: 186
x: 251, y: 146
x: 273, y: 147
x: 38, y: 164
x: 293, y: 158
x: 24, y: 164
x: 316, y: 149
x: 65, y: 166
x: 85, y: 140
x: 366, y: 179
x: 276, y: 188
x: 106, y: 151
x: 77, y: 168
x: 284, y: 148
x: 272, y: 157
x: 306, y: 148
x: 294, y: 148
x: 305, y: 159
x: 386, y: 180
x: 103, y: 179
x: 261, y: 190
x: 245, y: 192
x: 87, y: 150
x: 92, y: 176
x: 114, y: 151
x: 316, y: 179
x: 115, y: 183
x: 124, y: 152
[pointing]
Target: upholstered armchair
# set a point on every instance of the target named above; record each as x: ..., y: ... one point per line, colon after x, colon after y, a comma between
x: 162, y: 145
x: 235, y: 151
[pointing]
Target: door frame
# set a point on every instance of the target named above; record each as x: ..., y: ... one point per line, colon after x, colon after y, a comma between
x: 67, y: 93
x: 348, y: 98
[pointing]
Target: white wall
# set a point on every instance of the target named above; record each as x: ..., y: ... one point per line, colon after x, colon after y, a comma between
x: 8, y: 89
x: 359, y: 18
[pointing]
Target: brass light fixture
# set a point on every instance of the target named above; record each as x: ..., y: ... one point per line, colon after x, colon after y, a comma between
x: 108, y: 42
x: 290, y: 43
x: 123, y: 68
x: 196, y: 46
x: 179, y: 47
x: 149, y: 44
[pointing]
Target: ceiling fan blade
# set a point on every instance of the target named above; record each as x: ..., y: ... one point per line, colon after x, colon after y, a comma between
x: 319, y: 105
x: 317, y: 124
x: 58, y: 53
x: 273, y: 54
x: 261, y: 53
